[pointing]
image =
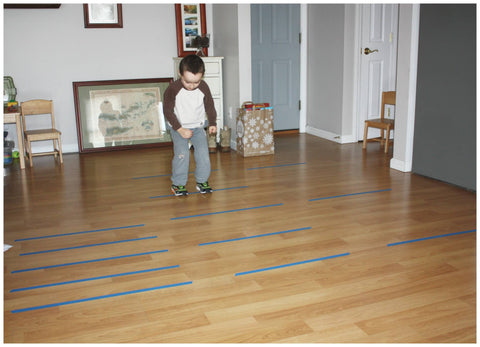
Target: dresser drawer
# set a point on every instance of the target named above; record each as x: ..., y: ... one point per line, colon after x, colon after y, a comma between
x: 214, y: 84
x: 212, y: 68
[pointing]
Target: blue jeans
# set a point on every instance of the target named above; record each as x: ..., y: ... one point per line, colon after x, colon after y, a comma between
x: 181, y: 157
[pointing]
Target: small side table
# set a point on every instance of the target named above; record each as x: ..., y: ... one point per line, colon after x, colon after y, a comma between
x: 10, y: 117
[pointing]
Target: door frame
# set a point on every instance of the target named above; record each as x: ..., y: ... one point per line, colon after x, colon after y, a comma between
x: 303, y: 68
x: 356, y: 71
x: 409, y: 14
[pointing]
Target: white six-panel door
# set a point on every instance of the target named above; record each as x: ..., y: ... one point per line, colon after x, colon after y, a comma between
x: 379, y: 26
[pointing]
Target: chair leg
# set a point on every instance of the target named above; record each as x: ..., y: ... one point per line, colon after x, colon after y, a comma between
x: 30, y: 153
x: 25, y: 149
x: 55, y: 148
x: 387, y: 139
x: 365, y: 133
x: 59, y: 142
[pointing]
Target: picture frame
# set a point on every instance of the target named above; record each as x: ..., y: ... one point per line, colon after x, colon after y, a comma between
x: 32, y: 6
x: 120, y: 114
x: 103, y: 15
x: 190, y: 22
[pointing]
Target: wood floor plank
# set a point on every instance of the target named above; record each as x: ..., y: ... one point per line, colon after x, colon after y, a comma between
x: 348, y: 333
x: 412, y: 316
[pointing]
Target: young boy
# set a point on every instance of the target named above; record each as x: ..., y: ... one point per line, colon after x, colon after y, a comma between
x: 185, y: 103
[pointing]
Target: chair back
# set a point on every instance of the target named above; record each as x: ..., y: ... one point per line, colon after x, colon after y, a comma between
x: 37, y: 107
x: 388, y: 98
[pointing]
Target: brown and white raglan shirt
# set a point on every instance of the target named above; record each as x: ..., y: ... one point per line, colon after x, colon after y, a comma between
x: 186, y: 108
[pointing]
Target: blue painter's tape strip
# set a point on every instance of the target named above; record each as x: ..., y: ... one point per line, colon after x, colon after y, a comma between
x: 255, y: 236
x: 88, y: 261
x: 341, y: 196
x: 214, y: 190
x: 431, y: 237
x: 154, y: 176
x: 92, y: 245
x: 291, y: 264
x: 100, y: 297
x: 267, y: 167
x: 229, y: 211
x: 80, y: 232
x: 94, y: 278
x: 166, y: 175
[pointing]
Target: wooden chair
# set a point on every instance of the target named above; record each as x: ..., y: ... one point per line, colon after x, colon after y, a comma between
x: 40, y: 107
x: 382, y: 123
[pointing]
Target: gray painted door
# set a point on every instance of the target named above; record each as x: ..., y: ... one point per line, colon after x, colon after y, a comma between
x: 276, y: 61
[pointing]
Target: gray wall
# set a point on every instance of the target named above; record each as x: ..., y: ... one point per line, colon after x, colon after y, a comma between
x: 445, y: 120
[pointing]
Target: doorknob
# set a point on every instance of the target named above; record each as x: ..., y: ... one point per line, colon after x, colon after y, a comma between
x: 367, y: 51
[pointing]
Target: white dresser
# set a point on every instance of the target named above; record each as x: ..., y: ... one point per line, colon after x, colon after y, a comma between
x: 214, y: 78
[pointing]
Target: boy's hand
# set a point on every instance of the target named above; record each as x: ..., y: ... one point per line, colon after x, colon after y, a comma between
x: 185, y: 133
x: 212, y: 129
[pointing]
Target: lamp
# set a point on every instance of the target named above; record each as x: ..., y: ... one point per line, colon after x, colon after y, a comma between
x: 9, y: 90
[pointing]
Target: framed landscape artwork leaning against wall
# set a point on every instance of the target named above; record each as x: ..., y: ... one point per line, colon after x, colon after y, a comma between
x: 120, y: 114
x: 190, y: 21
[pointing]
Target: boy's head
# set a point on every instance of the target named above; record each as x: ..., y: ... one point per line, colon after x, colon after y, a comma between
x: 191, y: 71
x: 192, y: 63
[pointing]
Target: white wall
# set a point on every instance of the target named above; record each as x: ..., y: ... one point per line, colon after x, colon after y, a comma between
x: 325, y: 66
x: 225, y: 33
x: 330, y: 71
x: 48, y: 49
x: 63, y: 51
x: 231, y: 29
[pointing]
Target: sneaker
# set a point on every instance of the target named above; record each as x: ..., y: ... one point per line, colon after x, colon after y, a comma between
x: 204, y: 188
x: 179, y: 190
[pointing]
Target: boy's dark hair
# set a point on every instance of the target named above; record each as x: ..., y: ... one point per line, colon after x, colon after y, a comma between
x: 192, y: 63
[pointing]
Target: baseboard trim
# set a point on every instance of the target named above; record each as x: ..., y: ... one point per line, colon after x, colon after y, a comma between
x: 403, y: 166
x: 342, y: 139
x: 286, y: 132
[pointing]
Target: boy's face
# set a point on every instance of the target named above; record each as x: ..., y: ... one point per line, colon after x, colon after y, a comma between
x: 191, y: 81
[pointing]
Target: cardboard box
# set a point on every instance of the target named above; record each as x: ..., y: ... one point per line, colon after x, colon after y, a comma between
x: 255, y: 132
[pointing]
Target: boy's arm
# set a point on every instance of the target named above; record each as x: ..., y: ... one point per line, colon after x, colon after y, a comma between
x: 169, y: 105
x: 209, y: 104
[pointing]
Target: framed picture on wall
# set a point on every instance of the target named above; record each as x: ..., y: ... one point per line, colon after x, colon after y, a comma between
x: 103, y: 15
x: 190, y: 20
x: 120, y: 114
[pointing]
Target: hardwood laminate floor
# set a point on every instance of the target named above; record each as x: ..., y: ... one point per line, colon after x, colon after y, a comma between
x: 318, y: 243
